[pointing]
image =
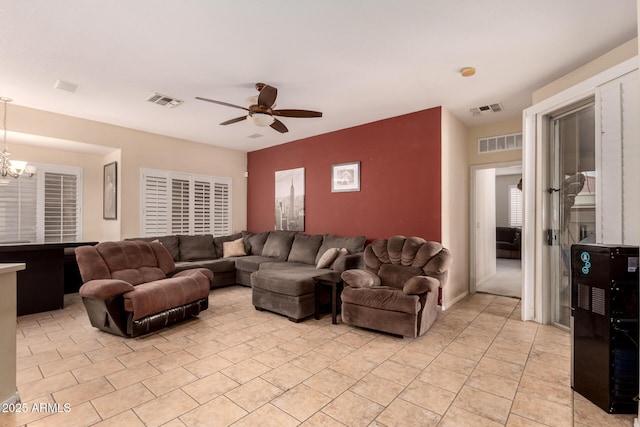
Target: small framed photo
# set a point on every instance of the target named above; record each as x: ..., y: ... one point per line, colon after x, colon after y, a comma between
x: 345, y: 177
x: 110, y: 191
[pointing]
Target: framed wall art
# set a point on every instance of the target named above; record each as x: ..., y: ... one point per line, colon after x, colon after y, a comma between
x: 345, y: 177
x: 110, y: 191
x: 289, y: 200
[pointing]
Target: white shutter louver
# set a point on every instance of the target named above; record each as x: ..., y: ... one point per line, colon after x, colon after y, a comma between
x: 515, y: 207
x: 221, y: 217
x: 155, y: 202
x: 179, y: 206
x: 18, y: 202
x: 60, y: 208
x: 201, y: 207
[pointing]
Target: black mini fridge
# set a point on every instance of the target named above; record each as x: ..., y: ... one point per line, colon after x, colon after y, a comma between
x: 604, y: 329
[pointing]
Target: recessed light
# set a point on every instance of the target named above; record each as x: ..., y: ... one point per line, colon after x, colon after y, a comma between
x: 468, y: 71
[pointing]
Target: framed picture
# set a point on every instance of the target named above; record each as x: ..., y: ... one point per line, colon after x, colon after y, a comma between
x: 345, y: 177
x: 290, y: 200
x: 110, y: 191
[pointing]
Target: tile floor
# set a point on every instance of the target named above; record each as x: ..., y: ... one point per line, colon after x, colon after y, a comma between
x: 479, y: 365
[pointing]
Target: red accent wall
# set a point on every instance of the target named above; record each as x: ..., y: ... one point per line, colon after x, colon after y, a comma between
x: 400, y: 179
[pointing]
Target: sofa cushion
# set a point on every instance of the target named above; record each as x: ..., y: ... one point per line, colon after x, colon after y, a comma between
x: 172, y: 243
x: 218, y: 242
x: 288, y: 281
x: 251, y: 263
x: 305, y: 248
x: 215, y: 265
x: 383, y: 298
x: 278, y: 244
x: 154, y: 297
x: 139, y: 275
x: 254, y: 242
x: 193, y: 248
x: 233, y: 248
x: 352, y: 244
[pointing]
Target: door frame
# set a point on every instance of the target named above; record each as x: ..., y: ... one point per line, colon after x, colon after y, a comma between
x: 473, y: 239
x: 536, y: 304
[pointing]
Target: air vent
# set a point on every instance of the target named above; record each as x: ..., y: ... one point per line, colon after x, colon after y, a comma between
x: 500, y: 143
x: 255, y: 135
x: 164, y: 100
x: 486, y: 109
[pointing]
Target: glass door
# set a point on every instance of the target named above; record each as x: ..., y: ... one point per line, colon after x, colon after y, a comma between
x: 572, y: 192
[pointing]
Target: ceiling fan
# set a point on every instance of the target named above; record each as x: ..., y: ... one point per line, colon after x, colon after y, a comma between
x: 260, y: 109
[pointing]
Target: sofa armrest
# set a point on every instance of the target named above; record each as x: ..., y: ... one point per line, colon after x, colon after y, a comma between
x: 105, y: 288
x: 360, y: 278
x: 419, y: 285
x: 349, y: 262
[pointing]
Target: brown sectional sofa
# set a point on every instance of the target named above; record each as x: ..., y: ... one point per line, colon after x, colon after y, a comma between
x: 280, y: 266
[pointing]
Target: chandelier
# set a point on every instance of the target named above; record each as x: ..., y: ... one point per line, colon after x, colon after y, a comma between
x: 12, y: 168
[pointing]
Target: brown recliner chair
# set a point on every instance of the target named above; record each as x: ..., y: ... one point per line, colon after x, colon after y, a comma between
x: 398, y: 291
x: 130, y: 287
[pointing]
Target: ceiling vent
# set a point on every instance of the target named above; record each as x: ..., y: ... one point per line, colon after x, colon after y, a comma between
x: 164, y: 100
x: 255, y: 135
x: 485, y: 109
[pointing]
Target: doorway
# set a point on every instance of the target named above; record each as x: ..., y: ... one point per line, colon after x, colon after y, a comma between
x: 572, y: 193
x: 496, y: 229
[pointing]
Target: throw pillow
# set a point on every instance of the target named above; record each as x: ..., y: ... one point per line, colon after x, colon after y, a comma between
x: 327, y: 258
x: 234, y: 248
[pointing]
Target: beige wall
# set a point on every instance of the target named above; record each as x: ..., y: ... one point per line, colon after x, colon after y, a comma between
x: 500, y: 128
x: 455, y: 206
x: 613, y: 57
x: 134, y: 150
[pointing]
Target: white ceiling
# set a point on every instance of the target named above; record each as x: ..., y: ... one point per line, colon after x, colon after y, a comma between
x: 356, y: 61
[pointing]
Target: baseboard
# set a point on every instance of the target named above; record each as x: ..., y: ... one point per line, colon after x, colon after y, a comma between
x: 455, y: 300
x: 636, y: 423
x: 12, y: 400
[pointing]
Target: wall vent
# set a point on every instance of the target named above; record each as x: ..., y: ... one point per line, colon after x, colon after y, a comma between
x: 164, y: 100
x: 484, y: 109
x: 491, y: 144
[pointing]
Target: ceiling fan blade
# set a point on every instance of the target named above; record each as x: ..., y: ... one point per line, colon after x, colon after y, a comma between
x: 267, y: 96
x: 279, y: 126
x: 226, y: 104
x: 297, y: 113
x: 236, y: 120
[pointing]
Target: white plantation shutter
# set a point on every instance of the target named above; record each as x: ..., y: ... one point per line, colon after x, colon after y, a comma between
x: 18, y: 201
x: 61, y: 209
x: 180, y: 206
x: 201, y: 207
x: 155, y: 211
x: 617, y: 192
x: 44, y: 208
x: 221, y: 217
x: 515, y: 207
x: 178, y: 203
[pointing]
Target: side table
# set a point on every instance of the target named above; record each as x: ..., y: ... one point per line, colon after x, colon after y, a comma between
x: 334, y: 281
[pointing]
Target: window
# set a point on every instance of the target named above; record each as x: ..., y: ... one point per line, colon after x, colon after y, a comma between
x: 44, y: 208
x: 515, y: 206
x: 178, y: 203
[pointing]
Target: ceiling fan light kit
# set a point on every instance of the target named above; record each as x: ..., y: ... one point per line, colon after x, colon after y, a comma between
x: 260, y: 109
